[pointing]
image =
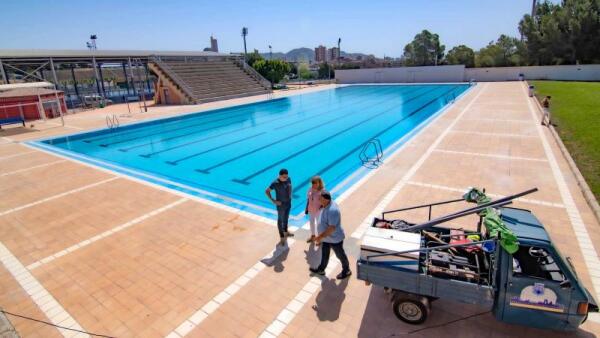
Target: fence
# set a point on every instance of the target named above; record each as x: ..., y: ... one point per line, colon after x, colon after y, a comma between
x: 460, y: 74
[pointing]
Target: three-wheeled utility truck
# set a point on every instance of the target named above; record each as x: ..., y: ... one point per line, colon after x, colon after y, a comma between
x: 508, y: 264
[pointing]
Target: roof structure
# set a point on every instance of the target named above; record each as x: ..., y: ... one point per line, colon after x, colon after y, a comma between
x: 21, y: 92
x: 41, y: 84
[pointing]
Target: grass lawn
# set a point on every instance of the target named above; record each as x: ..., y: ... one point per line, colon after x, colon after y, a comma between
x: 575, y: 110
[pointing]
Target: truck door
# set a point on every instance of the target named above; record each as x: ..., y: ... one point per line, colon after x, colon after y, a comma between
x: 534, y: 295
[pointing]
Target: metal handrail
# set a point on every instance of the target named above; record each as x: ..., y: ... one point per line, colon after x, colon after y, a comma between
x: 378, y: 153
x: 173, y: 76
x: 252, y: 72
x: 430, y: 205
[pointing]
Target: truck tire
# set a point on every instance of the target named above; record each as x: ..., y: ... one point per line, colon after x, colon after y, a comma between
x: 411, y: 310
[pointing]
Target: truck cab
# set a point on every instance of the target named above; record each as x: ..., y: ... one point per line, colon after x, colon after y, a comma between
x: 536, y: 285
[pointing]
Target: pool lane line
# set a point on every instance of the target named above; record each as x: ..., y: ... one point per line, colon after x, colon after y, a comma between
x: 16, y: 155
x: 320, y: 124
x: 295, y: 122
x: 192, y: 118
x: 287, y: 115
x: 31, y: 168
x: 213, y: 136
x: 353, y: 150
x: 53, y: 197
x: 106, y: 233
x: 329, y: 137
x: 213, y: 149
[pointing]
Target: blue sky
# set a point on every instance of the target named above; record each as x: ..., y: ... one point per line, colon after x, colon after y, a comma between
x: 380, y: 27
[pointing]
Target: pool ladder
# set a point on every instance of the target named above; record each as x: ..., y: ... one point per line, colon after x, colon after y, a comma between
x: 112, y: 121
x: 371, y: 162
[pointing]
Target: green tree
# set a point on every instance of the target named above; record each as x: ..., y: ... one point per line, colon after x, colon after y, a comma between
x: 502, y: 53
x: 564, y: 33
x: 461, y: 55
x: 326, y: 71
x: 272, y: 70
x: 253, y: 57
x: 424, y: 50
x: 303, y: 72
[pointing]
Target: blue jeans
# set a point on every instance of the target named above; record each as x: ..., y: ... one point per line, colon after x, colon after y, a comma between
x: 283, y: 214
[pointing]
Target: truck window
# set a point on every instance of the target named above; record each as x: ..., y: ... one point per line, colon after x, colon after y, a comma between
x: 536, y: 263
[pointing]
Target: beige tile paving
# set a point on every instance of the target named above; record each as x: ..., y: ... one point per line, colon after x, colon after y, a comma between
x: 147, y: 279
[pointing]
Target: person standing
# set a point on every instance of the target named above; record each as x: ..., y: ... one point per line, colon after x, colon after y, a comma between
x: 283, y: 201
x: 546, y: 107
x: 313, y: 205
x: 332, y: 236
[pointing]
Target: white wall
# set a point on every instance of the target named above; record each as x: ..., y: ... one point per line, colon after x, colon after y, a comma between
x: 459, y: 74
x: 402, y: 74
x: 567, y: 73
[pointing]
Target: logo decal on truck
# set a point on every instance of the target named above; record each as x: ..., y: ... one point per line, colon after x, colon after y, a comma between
x: 537, y: 297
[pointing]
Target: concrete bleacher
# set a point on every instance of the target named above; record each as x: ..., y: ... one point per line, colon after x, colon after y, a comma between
x: 200, y: 81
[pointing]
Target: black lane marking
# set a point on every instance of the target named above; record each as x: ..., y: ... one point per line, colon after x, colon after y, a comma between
x: 337, y: 160
x: 213, y: 149
x: 309, y: 147
x: 387, y: 92
x: 226, y: 133
x: 321, y: 124
x: 177, y: 119
x: 241, y: 113
x: 194, y: 117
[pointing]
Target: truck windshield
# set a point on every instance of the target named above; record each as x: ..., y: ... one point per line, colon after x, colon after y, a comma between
x: 537, y: 263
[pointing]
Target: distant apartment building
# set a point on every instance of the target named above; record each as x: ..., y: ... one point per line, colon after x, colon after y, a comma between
x: 321, y: 54
x: 214, y: 46
x: 334, y: 54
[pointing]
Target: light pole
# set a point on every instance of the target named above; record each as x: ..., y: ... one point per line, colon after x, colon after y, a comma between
x: 339, y: 50
x: 270, y: 53
x: 244, y: 33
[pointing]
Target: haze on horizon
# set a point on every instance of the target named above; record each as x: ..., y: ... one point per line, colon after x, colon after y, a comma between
x: 381, y: 27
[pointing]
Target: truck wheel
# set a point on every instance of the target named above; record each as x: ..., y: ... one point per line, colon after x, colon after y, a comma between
x: 411, y: 311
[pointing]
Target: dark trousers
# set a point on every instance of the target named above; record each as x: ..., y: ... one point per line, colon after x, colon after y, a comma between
x: 283, y: 214
x: 338, y: 248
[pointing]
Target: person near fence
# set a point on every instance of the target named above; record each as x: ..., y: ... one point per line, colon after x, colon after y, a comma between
x: 331, y: 236
x: 283, y: 201
x: 546, y: 108
x: 313, y: 205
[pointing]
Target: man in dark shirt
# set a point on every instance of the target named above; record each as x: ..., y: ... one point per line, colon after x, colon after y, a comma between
x: 283, y: 200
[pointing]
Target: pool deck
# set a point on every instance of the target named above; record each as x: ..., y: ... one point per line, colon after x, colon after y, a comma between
x: 88, y: 249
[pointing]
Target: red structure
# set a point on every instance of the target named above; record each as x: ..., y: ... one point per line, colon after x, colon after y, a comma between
x: 31, y: 103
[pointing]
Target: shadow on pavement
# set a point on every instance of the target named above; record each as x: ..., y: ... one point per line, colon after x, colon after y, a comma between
x: 277, y: 258
x: 447, y: 319
x: 330, y: 299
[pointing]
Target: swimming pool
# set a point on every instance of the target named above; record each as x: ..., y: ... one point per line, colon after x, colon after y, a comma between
x: 231, y: 155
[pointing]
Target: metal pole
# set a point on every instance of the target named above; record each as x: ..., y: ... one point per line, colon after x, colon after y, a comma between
x: 101, y: 80
x: 131, y: 74
x: 4, y: 78
x: 60, y: 108
x: 147, y: 77
x: 126, y: 81
x: 96, y: 76
x: 75, y: 83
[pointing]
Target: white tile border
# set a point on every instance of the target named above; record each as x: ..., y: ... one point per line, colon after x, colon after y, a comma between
x: 105, y: 234
x: 483, y: 133
x: 204, y: 201
x: 463, y: 190
x: 503, y: 157
x: 16, y: 155
x: 42, y: 298
x: 66, y: 193
x: 32, y: 167
x: 398, y: 186
x: 285, y: 317
x: 213, y: 305
x: 589, y: 253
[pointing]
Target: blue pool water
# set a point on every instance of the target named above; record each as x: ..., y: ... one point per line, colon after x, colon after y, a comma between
x: 231, y: 155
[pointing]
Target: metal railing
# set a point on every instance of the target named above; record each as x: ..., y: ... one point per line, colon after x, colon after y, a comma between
x: 112, y: 121
x: 171, y: 73
x: 252, y: 72
x: 371, y: 162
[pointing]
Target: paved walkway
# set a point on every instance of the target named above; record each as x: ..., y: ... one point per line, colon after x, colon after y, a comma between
x: 84, y: 248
